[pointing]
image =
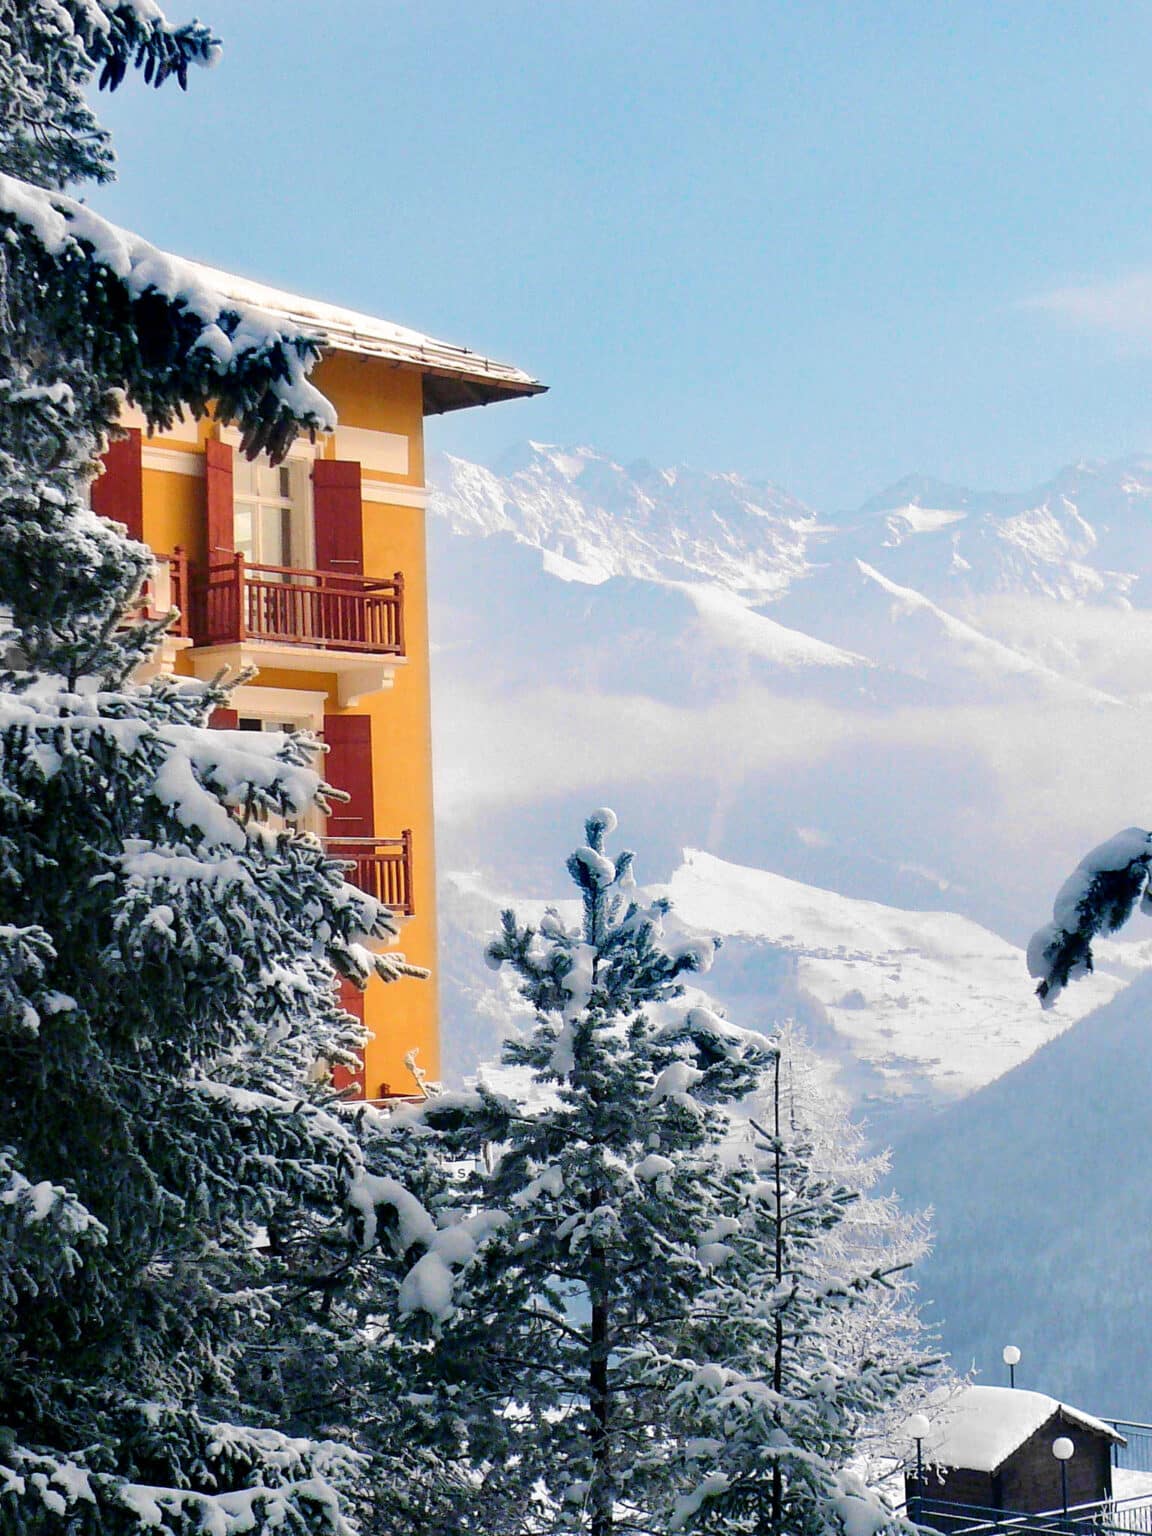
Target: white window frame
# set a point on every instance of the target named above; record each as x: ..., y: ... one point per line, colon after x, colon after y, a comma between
x: 300, y: 458
x: 299, y: 707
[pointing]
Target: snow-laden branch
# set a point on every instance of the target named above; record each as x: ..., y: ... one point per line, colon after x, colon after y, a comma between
x: 138, y: 304
x: 137, y: 32
x: 1098, y: 897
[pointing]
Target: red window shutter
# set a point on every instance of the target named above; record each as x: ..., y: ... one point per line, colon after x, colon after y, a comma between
x: 348, y: 766
x: 221, y: 517
x: 338, y: 516
x: 352, y: 1001
x: 224, y: 719
x: 119, y: 492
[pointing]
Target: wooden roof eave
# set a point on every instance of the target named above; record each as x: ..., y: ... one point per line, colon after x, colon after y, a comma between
x: 445, y: 392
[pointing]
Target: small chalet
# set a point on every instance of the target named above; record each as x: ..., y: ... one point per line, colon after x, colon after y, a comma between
x: 993, y: 1451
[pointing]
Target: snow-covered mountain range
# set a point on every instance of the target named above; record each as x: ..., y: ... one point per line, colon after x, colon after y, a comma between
x: 927, y: 702
x: 1078, y: 537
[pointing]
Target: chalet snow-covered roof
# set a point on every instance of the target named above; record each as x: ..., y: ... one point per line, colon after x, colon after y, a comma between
x: 986, y: 1424
x: 454, y: 376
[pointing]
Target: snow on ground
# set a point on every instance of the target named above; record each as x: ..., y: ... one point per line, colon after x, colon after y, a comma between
x: 1127, y: 1484
x: 922, y: 1006
x: 912, y: 993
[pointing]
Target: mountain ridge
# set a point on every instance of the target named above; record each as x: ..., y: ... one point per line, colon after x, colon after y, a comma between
x: 1073, y: 537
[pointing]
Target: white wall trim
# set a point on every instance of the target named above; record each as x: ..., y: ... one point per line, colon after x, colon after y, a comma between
x: 385, y: 451
x: 357, y: 673
x: 173, y: 461
x: 394, y: 495
x: 299, y: 704
x: 302, y: 446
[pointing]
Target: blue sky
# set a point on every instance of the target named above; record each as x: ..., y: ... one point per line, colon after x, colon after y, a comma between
x: 825, y: 244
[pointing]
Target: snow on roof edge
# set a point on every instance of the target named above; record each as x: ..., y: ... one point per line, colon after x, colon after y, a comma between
x: 986, y: 1425
x: 353, y: 331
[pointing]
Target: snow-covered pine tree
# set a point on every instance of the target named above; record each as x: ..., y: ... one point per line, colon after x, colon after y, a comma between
x: 877, y: 1233
x: 577, y: 1232
x: 166, y: 957
x: 615, y: 1231
x: 1098, y: 897
x: 782, y: 1388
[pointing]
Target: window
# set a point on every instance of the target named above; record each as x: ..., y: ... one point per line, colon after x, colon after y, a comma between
x: 271, y: 522
x: 313, y: 820
x: 258, y: 723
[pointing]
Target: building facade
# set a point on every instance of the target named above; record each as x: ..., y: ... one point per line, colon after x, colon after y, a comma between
x: 314, y: 572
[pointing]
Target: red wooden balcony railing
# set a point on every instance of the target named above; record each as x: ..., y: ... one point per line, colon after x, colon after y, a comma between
x: 166, y: 588
x: 237, y: 601
x: 382, y: 866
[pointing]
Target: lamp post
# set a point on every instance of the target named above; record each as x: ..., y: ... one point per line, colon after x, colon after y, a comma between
x: 918, y: 1427
x: 1062, y: 1450
x: 1011, y: 1358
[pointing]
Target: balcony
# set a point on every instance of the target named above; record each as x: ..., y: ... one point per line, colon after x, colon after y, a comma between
x: 382, y: 866
x: 299, y: 620
x: 166, y: 588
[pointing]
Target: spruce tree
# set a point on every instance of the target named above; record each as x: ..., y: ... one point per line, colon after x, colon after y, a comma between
x: 570, y: 1302
x: 571, y: 1228
x: 169, y: 1185
x: 770, y: 1380
x: 609, y: 1193
x: 876, y: 1234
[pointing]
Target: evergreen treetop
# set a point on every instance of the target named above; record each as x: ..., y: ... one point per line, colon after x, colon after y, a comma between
x: 49, y: 52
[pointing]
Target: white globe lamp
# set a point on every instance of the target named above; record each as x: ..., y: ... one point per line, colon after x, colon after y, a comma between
x: 918, y: 1427
x: 1011, y: 1358
x: 1062, y: 1449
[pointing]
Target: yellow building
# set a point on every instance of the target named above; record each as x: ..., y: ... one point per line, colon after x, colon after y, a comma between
x: 315, y: 572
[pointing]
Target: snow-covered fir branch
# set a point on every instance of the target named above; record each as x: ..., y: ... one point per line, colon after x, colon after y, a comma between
x: 1098, y: 897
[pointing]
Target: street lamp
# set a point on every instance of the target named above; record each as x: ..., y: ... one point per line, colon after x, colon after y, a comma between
x: 1011, y: 1358
x: 1062, y: 1450
x: 918, y: 1427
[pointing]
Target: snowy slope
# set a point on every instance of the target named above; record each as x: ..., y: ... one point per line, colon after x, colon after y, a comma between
x: 921, y: 998
x: 857, y: 605
x: 729, y: 622
x: 917, y: 1008
x: 1043, y: 1208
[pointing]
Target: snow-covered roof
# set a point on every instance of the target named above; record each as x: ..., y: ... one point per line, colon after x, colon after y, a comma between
x: 454, y: 376
x: 984, y: 1425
